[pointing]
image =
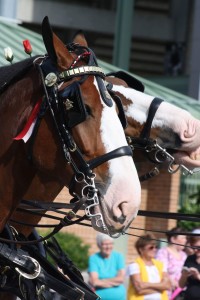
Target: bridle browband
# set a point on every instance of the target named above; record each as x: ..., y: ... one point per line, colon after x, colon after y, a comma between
x: 54, y: 101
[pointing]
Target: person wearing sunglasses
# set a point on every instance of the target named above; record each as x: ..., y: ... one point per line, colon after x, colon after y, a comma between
x: 148, y: 279
x: 190, y: 278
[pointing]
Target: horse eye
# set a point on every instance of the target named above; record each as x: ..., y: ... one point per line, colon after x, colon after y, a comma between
x: 88, y: 110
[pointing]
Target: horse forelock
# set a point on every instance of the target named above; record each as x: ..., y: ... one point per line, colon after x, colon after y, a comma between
x: 12, y: 73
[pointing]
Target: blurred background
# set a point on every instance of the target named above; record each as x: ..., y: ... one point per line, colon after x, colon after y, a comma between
x: 157, y: 39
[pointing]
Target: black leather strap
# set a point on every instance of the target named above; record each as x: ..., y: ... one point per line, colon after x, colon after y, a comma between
x: 68, y: 267
x: 17, y: 258
x: 131, y: 81
x: 121, y: 151
x: 57, y: 281
x: 145, y: 133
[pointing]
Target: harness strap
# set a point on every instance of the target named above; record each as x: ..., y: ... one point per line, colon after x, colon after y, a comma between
x: 121, y: 151
x: 149, y: 175
x: 168, y: 215
x: 121, y: 113
x: 79, y: 71
x: 18, y: 258
x: 145, y: 133
x: 63, y: 288
x: 57, y: 281
x: 68, y: 267
x: 131, y: 81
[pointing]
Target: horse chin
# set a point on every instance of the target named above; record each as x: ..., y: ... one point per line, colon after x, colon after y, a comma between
x: 110, y: 226
x: 189, y: 160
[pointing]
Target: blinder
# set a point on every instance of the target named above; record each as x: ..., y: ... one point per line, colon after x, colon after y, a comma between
x: 72, y: 105
x: 104, y: 92
x: 130, y: 80
x: 118, y: 102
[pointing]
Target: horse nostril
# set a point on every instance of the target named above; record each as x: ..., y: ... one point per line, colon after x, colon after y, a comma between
x: 121, y: 219
x: 119, y: 216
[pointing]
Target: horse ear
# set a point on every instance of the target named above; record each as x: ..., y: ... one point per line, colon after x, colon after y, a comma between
x: 47, y: 36
x: 80, y: 39
x: 54, y: 46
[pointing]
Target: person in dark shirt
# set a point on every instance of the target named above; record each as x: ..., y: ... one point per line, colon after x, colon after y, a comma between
x: 190, y: 277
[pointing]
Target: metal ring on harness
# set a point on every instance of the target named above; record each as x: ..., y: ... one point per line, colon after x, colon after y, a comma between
x: 37, y: 269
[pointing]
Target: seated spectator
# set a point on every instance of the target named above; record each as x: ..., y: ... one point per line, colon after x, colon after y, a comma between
x: 106, y: 270
x: 190, y: 278
x: 148, y: 279
x: 173, y: 256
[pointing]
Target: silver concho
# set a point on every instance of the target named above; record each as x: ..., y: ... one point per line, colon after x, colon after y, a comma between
x: 50, y: 79
x: 68, y: 104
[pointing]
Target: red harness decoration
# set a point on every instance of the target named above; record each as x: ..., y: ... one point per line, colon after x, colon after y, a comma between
x: 26, y: 133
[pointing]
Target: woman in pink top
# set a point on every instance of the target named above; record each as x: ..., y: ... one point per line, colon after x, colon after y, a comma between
x: 173, y: 256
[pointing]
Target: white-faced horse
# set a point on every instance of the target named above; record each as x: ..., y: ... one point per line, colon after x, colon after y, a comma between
x: 155, y: 125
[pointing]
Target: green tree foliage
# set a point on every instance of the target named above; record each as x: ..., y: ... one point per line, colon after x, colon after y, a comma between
x: 191, y: 205
x: 74, y: 247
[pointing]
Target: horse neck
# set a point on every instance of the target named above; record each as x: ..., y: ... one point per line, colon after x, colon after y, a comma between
x: 20, y: 97
x: 40, y: 189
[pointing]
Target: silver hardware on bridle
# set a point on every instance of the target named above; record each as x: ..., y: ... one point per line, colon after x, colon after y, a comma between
x: 89, y: 192
x: 159, y: 151
x: 36, y: 272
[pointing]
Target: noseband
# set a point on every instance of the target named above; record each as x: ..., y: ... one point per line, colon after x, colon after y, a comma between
x: 154, y: 151
x: 68, y: 109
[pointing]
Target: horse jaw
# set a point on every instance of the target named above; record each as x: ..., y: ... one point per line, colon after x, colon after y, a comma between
x: 121, y: 191
x: 178, y: 130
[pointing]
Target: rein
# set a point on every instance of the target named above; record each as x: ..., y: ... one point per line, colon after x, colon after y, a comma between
x: 38, y: 208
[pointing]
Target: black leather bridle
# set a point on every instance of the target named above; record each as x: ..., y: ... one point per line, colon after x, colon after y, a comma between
x: 56, y: 102
x: 63, y: 102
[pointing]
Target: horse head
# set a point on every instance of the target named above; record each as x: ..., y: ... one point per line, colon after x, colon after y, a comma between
x: 78, y: 139
x: 158, y: 127
x: 107, y: 175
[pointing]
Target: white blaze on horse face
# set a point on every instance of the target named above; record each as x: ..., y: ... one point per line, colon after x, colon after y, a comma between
x: 169, y: 118
x: 122, y: 194
x: 138, y: 109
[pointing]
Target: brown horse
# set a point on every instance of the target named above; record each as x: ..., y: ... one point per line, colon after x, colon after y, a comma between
x: 75, y: 131
x: 178, y: 135
x: 95, y: 137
